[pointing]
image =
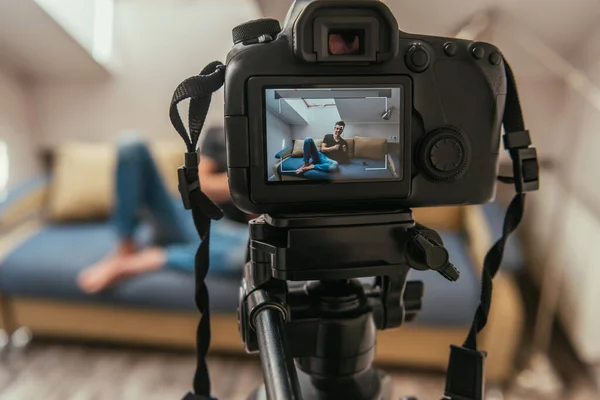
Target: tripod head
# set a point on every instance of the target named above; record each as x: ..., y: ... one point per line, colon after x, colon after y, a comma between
x: 327, y: 324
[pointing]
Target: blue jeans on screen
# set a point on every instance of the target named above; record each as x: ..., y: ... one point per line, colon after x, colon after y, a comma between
x: 142, y: 194
x: 320, y: 160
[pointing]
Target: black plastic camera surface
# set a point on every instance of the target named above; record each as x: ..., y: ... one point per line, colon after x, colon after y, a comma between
x: 451, y: 102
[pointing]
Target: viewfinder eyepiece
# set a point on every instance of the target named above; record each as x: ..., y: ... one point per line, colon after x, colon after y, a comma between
x: 346, y: 41
x: 345, y: 32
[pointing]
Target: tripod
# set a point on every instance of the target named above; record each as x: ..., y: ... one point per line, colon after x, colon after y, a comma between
x: 317, y: 340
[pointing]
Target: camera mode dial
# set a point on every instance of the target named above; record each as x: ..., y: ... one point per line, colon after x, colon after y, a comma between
x: 258, y: 31
x: 444, y: 154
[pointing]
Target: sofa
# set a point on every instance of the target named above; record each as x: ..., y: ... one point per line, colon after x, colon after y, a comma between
x: 41, y: 254
x: 369, y: 158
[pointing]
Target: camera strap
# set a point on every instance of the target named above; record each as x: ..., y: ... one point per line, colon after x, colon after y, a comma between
x: 465, y: 374
x: 199, y: 90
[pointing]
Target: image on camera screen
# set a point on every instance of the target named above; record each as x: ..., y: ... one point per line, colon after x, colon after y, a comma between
x: 333, y: 134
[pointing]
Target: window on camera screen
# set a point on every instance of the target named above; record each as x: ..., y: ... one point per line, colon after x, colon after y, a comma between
x: 333, y: 134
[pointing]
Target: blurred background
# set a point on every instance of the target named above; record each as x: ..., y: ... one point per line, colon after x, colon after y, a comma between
x: 77, y: 76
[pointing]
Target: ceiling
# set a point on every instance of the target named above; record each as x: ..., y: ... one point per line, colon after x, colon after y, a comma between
x: 30, y: 40
x: 519, y: 27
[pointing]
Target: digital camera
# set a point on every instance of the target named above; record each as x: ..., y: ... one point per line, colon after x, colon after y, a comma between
x: 340, y: 111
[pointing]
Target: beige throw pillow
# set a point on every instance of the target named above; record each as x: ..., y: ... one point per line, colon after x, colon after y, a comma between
x: 83, y: 183
x: 373, y: 148
x: 350, y: 147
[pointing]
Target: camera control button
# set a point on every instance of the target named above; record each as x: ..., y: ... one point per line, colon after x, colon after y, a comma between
x: 420, y: 58
x: 478, y: 52
x: 444, y: 154
x: 417, y: 58
x: 495, y: 58
x: 450, y: 49
x: 258, y: 31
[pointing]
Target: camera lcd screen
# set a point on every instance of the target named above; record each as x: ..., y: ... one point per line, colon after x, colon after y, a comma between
x: 333, y: 134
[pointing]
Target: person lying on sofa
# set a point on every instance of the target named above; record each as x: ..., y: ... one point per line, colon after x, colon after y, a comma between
x: 139, y: 188
x: 334, y: 150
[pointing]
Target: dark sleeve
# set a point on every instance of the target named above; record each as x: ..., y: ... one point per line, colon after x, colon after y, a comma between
x: 213, y: 146
x: 328, y: 139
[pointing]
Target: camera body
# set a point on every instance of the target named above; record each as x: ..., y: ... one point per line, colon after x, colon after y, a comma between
x: 437, y: 144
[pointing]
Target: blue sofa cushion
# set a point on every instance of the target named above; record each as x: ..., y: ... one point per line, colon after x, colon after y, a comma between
x: 353, y: 170
x: 278, y: 155
x: 46, y: 266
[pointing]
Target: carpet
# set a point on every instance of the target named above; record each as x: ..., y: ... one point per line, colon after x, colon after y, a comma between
x: 68, y: 371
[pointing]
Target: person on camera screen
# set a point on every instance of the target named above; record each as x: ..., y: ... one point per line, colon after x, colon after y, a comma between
x: 333, y: 151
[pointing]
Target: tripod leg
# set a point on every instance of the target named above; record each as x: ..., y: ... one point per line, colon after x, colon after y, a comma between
x: 277, y: 364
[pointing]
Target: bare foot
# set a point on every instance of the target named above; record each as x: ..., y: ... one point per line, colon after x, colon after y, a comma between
x: 304, y: 169
x: 126, y: 247
x: 101, y: 275
x: 115, y: 268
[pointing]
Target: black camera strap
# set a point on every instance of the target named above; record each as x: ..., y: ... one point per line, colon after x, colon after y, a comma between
x: 465, y: 371
x: 199, y: 90
x: 465, y: 374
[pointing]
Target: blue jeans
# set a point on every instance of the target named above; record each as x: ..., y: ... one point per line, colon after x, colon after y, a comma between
x: 320, y: 160
x: 140, y: 192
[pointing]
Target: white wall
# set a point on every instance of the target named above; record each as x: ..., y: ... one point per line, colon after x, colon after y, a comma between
x: 563, y: 218
x: 279, y: 135
x: 158, y: 44
x: 581, y: 180
x: 544, y: 106
x: 17, y: 127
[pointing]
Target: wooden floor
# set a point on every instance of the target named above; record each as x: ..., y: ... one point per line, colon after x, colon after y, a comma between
x: 77, y: 371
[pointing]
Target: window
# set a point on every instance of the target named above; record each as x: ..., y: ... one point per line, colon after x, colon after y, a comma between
x: 319, y: 102
x: 3, y: 169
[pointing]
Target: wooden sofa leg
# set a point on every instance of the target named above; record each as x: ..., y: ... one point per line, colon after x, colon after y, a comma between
x: 12, y: 338
x: 7, y: 317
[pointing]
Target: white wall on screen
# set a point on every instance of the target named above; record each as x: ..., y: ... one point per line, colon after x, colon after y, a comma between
x: 279, y: 135
x: 355, y: 113
x: 383, y: 130
x: 370, y: 109
x: 321, y: 121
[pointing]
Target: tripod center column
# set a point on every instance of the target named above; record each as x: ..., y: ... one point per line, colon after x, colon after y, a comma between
x: 345, y: 337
